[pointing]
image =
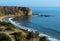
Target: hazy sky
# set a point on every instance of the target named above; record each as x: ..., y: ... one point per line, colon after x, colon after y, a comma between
x: 31, y: 3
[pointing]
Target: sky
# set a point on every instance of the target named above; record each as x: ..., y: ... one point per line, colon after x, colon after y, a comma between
x: 31, y: 3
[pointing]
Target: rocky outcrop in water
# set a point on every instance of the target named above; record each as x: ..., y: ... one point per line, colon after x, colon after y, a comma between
x: 11, y: 10
x: 42, y: 15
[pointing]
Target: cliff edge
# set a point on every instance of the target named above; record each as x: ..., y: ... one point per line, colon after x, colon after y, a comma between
x: 7, y: 10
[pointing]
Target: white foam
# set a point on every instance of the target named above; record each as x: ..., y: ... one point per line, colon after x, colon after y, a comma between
x: 49, y: 37
x: 18, y: 25
x: 22, y: 27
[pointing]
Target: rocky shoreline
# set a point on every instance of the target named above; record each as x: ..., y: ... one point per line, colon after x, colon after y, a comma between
x: 42, y: 15
x: 14, y: 32
x: 11, y: 30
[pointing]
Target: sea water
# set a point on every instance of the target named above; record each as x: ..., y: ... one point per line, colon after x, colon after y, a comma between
x: 49, y: 26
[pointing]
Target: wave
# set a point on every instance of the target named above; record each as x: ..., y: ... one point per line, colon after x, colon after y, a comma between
x: 22, y: 27
x: 49, y: 37
x: 30, y: 29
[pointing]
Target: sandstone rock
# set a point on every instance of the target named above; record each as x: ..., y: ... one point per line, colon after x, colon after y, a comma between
x: 7, y: 10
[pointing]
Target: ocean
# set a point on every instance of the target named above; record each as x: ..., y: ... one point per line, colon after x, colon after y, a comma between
x: 49, y: 26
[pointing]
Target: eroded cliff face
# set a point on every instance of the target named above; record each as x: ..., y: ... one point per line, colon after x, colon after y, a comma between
x: 11, y: 10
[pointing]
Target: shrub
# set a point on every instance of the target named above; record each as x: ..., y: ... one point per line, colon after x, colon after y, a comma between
x: 9, y: 26
x: 43, y: 38
x: 4, y: 37
x: 37, y: 33
x: 30, y: 35
x: 17, y: 36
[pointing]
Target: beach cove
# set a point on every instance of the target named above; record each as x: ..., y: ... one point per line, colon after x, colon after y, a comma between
x: 41, y: 30
x: 29, y: 29
x: 25, y: 24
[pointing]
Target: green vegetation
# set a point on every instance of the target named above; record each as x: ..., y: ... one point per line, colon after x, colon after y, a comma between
x: 8, y: 26
x: 17, y: 38
x: 43, y: 38
x: 18, y: 34
x: 4, y: 37
x: 30, y: 35
x: 37, y: 33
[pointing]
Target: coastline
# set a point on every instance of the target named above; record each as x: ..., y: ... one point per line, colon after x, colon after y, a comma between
x: 16, y: 29
x: 6, y: 16
x: 25, y: 28
x: 22, y: 27
x: 29, y: 30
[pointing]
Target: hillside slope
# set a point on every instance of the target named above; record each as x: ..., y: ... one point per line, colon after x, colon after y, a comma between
x: 7, y: 10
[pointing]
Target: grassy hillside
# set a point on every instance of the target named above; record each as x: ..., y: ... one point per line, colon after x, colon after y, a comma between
x: 9, y: 32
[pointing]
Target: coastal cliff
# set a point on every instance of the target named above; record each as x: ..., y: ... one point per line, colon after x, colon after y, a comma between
x: 12, y: 10
x: 9, y: 32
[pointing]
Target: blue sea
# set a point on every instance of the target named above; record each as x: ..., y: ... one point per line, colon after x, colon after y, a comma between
x: 49, y: 26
